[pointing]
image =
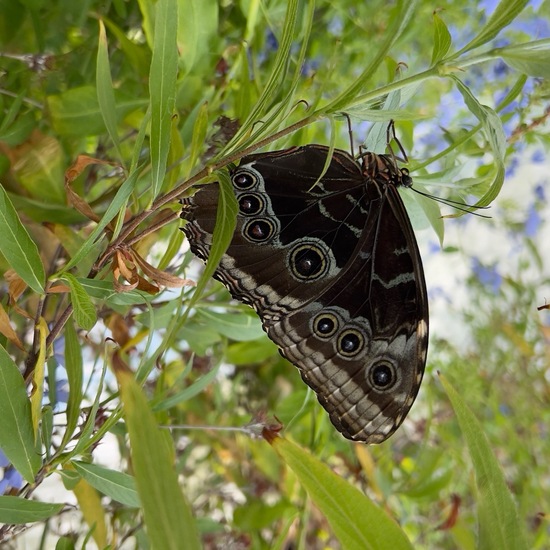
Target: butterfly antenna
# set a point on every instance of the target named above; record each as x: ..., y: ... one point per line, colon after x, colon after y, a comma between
x: 469, y: 209
x: 391, y: 136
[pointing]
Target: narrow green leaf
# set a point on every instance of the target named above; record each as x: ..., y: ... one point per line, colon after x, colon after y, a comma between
x: 442, y: 39
x: 140, y: 139
x: 256, y: 351
x: 200, y: 129
x: 162, y: 87
x: 65, y: 543
x: 73, y: 365
x: 139, y: 58
x: 532, y: 58
x: 17, y: 246
x: 237, y: 326
x: 167, y: 514
x: 104, y: 291
x: 117, y: 485
x: 87, y: 433
x: 503, y: 15
x: 105, y: 89
x: 499, y: 525
x: 420, y: 209
x: 226, y: 220
x: 38, y: 376
x: 16, y: 431
x: 197, y: 27
x: 40, y: 212
x: 19, y: 510
x: 355, y: 519
x: 84, y: 311
x: 189, y: 392
x: 9, y: 117
x: 147, y: 9
x: 513, y: 93
x: 492, y: 125
x: 89, y: 504
x: 46, y: 427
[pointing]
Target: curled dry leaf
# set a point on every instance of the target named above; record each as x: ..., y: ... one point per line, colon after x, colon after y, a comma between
x: 118, y: 364
x: 125, y: 268
x: 119, y: 328
x: 450, y: 522
x: 126, y: 276
x: 7, y: 330
x: 81, y: 162
x: 58, y: 288
x: 162, y: 278
x: 16, y: 285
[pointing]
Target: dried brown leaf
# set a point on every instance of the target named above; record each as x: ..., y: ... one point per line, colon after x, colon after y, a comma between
x: 125, y: 264
x: 59, y: 288
x: 161, y: 277
x: 146, y: 286
x: 81, y: 162
x: 16, y: 285
x: 119, y: 328
x: 7, y: 330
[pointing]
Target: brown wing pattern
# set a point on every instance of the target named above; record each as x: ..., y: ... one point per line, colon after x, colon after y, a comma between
x: 333, y: 269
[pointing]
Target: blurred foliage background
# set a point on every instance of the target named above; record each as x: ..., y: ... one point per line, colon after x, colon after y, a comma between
x: 107, y: 110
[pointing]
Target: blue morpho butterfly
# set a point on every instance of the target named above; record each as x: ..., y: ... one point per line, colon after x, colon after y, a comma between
x: 330, y: 263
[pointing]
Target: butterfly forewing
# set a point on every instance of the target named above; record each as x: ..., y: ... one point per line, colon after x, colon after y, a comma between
x: 333, y: 269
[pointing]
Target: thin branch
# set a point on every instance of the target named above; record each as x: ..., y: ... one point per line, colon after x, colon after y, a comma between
x: 131, y: 225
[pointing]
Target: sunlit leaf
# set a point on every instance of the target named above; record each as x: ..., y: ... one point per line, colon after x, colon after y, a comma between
x: 73, y: 365
x: 76, y: 112
x: 532, y: 58
x: 504, y: 14
x: 104, y: 84
x: 38, y: 376
x: 162, y: 87
x: 442, y: 39
x: 84, y: 310
x: 17, y: 439
x: 355, y: 519
x: 498, y: 521
x: 226, y: 220
x: 237, y: 326
x: 17, y: 247
x: 117, y: 485
x: 197, y: 27
x: 19, y: 510
x: 89, y: 503
x: 167, y: 514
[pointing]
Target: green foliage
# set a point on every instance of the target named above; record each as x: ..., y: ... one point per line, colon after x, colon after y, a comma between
x: 17, y: 436
x: 356, y: 521
x: 167, y: 515
x: 18, y: 248
x: 499, y: 525
x: 164, y: 95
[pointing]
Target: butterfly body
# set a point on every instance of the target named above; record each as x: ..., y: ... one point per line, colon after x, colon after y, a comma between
x: 332, y: 267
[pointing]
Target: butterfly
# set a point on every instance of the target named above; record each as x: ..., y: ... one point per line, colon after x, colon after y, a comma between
x: 329, y: 260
